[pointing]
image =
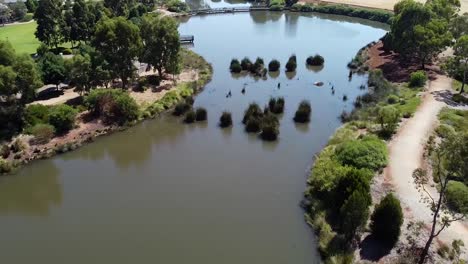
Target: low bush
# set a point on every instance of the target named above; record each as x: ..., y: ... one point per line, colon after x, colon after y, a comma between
x: 253, y: 111
x: 460, y: 98
x: 445, y: 131
x: 246, y: 64
x: 291, y: 65
x: 153, y: 80
x: 368, y: 152
x: 274, y: 66
x: 253, y: 125
x: 393, y: 99
x: 270, y: 127
x: 181, y: 108
x: 190, y: 117
x: 371, y: 14
x: 457, y: 196
x: 418, y: 79
x: 388, y: 117
x: 315, y: 60
x: 42, y: 133
x: 67, y: 51
x: 113, y: 105
x: 201, y: 114
x: 5, y: 166
x: 235, y: 66
x: 276, y: 105
x: 36, y: 114
x: 225, y: 120
x: 62, y: 117
x: 303, y: 112
x: 28, y: 17
x: 17, y: 146
x: 277, y: 5
x: 177, y: 6
x: 386, y: 220
x: 4, y: 151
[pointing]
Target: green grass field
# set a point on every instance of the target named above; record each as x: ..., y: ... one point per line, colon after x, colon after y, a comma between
x: 21, y: 37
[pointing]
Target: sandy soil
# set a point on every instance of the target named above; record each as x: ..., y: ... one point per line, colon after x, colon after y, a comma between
x: 380, y: 4
x: 406, y: 152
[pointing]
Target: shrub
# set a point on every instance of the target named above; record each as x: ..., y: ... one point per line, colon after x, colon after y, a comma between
x: 291, y: 65
x: 42, y: 133
x: 460, y: 99
x: 302, y: 114
x: 274, y: 65
x: 17, y: 146
x: 177, y: 6
x: 253, y: 125
x: 354, y: 213
x: 386, y: 220
x: 418, y: 79
x: 4, y: 151
x: 369, y: 152
x: 190, y: 117
x: 28, y: 17
x: 225, y: 120
x: 352, y: 180
x: 67, y: 51
x: 316, y: 60
x: 457, y: 196
x: 371, y: 14
x: 113, y: 105
x: 36, y: 114
x: 235, y: 66
x: 5, y: 166
x: 445, y: 131
x: 181, y: 108
x: 276, y: 105
x: 246, y: 64
x: 153, y: 80
x: 200, y: 114
x: 257, y: 67
x: 392, y: 99
x: 388, y: 117
x: 270, y: 127
x: 253, y: 111
x: 62, y: 117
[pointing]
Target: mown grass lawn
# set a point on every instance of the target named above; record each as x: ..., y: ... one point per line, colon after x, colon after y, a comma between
x: 21, y: 37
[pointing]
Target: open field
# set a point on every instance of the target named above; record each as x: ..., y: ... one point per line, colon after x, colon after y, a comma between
x: 21, y: 37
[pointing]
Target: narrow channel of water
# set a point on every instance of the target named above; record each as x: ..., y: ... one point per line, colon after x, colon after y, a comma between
x: 165, y: 192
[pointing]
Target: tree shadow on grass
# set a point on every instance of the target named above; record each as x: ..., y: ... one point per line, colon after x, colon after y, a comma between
x: 373, y: 249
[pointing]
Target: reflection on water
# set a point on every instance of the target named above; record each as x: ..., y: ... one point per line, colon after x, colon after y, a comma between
x: 166, y: 192
x: 23, y: 195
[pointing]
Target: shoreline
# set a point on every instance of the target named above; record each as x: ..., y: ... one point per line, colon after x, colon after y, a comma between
x: 87, y: 131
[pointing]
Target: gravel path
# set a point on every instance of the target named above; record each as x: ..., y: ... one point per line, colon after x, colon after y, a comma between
x: 406, y: 154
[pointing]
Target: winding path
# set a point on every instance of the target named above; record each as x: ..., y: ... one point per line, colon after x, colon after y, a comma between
x: 406, y: 154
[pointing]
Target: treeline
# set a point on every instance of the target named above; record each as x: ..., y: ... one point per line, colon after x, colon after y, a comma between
x: 107, y: 38
x: 17, y: 11
x: 365, y: 13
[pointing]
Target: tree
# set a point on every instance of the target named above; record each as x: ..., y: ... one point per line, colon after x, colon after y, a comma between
x: 28, y: 78
x: 119, y: 42
x: 354, y: 214
x: 67, y: 22
x: 161, y: 43
x: 388, y: 117
x: 49, y: 19
x: 457, y: 66
x: 79, y: 72
x: 52, y: 68
x: 18, y: 10
x: 31, y: 5
x: 446, y: 9
x: 442, y: 172
x: 7, y: 53
x: 417, y: 30
x: 79, y: 30
x: 5, y: 13
x: 119, y: 7
x: 386, y: 220
x: 459, y: 26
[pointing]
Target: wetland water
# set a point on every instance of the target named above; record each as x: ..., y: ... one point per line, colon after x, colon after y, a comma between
x: 165, y: 192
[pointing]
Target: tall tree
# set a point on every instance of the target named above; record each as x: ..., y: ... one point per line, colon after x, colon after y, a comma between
x: 446, y: 9
x: 52, y: 68
x: 459, y: 26
x: 79, y: 72
x: 49, y: 19
x: 442, y: 216
x: 28, y: 78
x: 161, y: 43
x: 31, y: 5
x: 354, y: 214
x: 119, y: 42
x: 457, y: 66
x: 119, y: 7
x: 18, y: 10
x: 81, y: 15
x: 67, y: 22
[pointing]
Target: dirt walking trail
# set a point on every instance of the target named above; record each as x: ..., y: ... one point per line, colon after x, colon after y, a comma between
x: 406, y: 154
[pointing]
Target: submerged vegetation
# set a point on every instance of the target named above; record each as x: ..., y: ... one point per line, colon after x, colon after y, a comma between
x: 303, y: 112
x: 225, y: 120
x: 315, y: 60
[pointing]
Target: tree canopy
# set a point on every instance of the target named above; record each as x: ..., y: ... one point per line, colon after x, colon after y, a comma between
x: 49, y: 18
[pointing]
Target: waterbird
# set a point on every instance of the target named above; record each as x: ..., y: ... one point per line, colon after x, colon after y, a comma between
x: 243, y: 90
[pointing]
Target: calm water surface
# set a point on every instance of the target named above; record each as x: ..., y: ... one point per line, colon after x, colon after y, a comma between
x: 164, y: 192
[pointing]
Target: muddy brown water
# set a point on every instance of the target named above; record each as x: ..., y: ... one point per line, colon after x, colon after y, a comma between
x: 165, y: 192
